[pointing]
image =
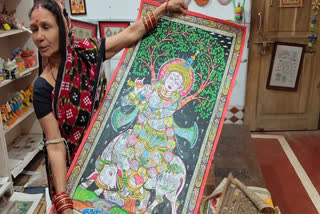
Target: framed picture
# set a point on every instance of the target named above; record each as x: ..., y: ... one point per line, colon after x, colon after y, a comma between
x: 78, y: 7
x: 286, y: 65
x: 83, y: 30
x: 290, y: 3
x: 108, y: 29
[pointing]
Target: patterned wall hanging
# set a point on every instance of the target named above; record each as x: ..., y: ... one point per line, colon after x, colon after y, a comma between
x: 151, y: 143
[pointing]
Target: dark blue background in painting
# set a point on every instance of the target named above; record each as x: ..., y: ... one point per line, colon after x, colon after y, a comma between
x: 184, y: 118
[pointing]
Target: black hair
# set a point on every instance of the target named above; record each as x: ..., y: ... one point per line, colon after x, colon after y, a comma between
x: 50, y: 5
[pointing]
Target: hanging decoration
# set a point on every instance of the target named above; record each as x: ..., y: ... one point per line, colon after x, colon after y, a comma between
x: 238, y: 9
x: 224, y: 2
x: 202, y: 3
x: 313, y: 37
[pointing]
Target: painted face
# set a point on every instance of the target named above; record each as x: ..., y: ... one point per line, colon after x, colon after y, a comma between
x: 45, y: 32
x: 173, y: 82
x: 108, y: 176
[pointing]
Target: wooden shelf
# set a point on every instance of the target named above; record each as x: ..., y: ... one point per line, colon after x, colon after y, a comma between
x: 4, y: 187
x: 19, y: 149
x: 21, y: 75
x: 5, y: 33
x: 19, y: 120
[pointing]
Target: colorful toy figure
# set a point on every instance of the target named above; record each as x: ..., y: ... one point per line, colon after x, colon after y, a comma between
x: 238, y: 12
x: 142, y: 158
x: 30, y: 59
x: 10, y: 69
x: 16, y: 107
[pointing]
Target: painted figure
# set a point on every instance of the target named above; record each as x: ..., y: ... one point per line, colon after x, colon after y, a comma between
x: 144, y: 154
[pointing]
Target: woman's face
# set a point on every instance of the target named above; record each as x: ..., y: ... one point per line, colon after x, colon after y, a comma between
x: 173, y: 82
x: 45, y: 32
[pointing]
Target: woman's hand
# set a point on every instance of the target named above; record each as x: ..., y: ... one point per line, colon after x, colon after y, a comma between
x: 68, y: 211
x: 177, y: 6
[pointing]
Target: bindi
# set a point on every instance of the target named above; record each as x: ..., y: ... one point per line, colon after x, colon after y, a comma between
x: 38, y: 7
x: 37, y: 21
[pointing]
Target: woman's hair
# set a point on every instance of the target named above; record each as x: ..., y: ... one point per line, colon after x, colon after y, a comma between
x: 50, y: 5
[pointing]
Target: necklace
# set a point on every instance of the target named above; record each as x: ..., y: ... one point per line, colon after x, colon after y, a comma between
x: 53, y: 77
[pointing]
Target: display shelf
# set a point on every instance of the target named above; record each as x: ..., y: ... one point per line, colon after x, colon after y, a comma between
x: 5, y: 33
x: 4, y: 187
x: 23, y: 150
x: 21, y: 75
x: 19, y: 120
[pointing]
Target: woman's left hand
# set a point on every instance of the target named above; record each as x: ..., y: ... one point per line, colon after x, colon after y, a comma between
x: 177, y: 5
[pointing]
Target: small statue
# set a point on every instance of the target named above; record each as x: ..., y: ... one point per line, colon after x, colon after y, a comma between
x: 10, y: 69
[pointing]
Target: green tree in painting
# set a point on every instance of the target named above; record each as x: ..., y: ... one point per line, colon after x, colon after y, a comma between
x: 157, y: 49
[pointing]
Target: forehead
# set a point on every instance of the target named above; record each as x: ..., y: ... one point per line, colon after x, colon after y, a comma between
x: 176, y: 74
x: 41, y: 14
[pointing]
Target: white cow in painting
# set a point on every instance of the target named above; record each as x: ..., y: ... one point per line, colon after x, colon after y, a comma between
x: 109, y: 174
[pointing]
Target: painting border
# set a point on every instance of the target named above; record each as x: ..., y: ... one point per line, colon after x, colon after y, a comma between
x: 217, y: 119
x: 85, y: 25
x: 272, y: 65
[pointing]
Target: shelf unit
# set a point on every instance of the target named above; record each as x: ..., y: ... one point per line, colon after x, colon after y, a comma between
x: 21, y: 75
x: 4, y: 187
x: 4, y: 33
x: 27, y: 124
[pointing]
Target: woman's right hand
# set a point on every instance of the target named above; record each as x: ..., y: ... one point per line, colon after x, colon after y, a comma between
x: 179, y: 6
x: 68, y: 211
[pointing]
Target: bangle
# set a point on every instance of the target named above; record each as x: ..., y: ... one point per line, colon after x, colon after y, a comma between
x: 150, y: 22
x: 153, y: 19
x: 167, y: 6
x: 145, y: 24
x: 62, y: 202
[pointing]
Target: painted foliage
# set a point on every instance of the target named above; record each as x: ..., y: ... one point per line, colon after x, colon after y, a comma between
x: 152, y: 139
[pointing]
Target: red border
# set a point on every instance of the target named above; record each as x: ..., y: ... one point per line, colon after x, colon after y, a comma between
x: 103, y: 24
x: 224, y: 111
x: 85, y: 25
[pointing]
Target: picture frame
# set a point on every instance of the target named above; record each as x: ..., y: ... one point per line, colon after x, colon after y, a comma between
x: 83, y: 29
x: 78, y: 7
x: 290, y: 3
x: 286, y: 65
x: 108, y: 29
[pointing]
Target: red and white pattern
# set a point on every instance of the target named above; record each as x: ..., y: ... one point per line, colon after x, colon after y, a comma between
x: 234, y: 115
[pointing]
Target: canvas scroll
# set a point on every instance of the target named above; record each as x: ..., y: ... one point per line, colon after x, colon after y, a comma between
x: 152, y: 141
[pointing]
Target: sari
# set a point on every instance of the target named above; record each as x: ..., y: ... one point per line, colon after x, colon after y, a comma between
x: 80, y: 86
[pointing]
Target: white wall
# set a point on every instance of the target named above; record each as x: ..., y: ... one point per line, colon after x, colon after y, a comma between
x: 127, y: 10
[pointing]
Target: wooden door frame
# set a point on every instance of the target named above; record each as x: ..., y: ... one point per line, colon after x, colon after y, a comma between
x: 250, y: 110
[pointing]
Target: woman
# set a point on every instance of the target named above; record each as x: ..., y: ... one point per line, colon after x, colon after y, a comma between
x: 72, y: 83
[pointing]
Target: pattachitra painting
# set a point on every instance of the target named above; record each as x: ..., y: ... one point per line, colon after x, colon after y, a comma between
x: 152, y: 141
x: 290, y: 3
